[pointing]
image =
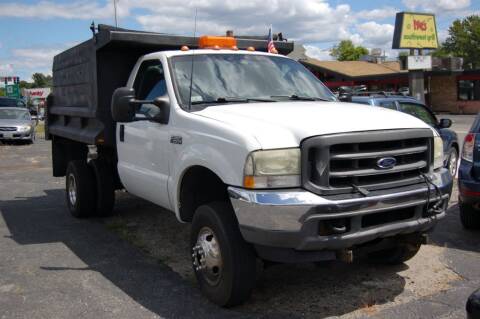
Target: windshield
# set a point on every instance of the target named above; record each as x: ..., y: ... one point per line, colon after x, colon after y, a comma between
x: 223, y: 78
x: 14, y: 115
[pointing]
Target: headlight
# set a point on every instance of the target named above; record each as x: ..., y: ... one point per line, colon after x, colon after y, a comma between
x: 272, y: 169
x: 24, y: 128
x: 437, y: 152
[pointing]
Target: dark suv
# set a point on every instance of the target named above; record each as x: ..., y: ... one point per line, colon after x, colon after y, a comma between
x: 11, y: 102
x: 412, y: 106
x: 469, y: 178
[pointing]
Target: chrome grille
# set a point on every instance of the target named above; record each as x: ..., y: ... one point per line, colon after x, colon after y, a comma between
x: 343, y: 163
x: 7, y: 129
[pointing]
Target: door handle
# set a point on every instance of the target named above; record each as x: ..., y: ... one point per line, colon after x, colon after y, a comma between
x: 122, y: 133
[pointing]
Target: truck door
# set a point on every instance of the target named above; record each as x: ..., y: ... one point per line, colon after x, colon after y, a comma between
x: 143, y: 145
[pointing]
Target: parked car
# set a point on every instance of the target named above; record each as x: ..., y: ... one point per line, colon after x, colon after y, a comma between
x: 416, y: 108
x: 11, y: 102
x: 469, y: 178
x: 248, y: 146
x: 16, y: 124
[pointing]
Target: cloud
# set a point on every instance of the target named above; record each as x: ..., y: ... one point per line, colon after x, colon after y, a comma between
x: 49, y: 10
x: 305, y: 20
x: 26, y: 61
x: 437, y: 6
x: 318, y: 53
x: 374, y: 34
x: 6, y: 69
x: 377, y: 14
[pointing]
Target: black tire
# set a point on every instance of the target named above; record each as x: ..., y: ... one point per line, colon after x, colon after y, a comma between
x: 396, y: 255
x: 105, y: 186
x: 452, y: 164
x: 469, y: 216
x: 236, y: 278
x: 80, y: 175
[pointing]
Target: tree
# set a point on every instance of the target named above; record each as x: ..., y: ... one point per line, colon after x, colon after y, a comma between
x: 41, y: 80
x: 2, y: 92
x: 464, y: 41
x: 441, y: 52
x: 347, y: 51
x: 25, y: 85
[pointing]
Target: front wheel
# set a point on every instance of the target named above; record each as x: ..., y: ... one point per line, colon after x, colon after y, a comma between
x: 453, y: 162
x: 224, y: 264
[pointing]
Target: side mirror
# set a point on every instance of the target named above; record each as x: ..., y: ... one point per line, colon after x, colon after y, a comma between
x: 345, y: 97
x: 122, y: 109
x: 163, y: 103
x: 445, y: 123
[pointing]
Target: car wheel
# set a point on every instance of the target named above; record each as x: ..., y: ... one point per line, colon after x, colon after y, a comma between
x: 452, y: 164
x: 224, y: 264
x: 469, y: 216
x: 80, y: 189
x: 396, y: 255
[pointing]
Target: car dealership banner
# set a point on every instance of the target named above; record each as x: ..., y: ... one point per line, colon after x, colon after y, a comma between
x: 41, y: 93
x: 415, y: 31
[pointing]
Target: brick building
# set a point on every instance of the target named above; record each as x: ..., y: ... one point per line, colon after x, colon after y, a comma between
x: 454, y: 92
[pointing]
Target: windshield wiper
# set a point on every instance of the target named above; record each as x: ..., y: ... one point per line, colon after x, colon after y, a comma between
x: 233, y: 100
x: 295, y: 97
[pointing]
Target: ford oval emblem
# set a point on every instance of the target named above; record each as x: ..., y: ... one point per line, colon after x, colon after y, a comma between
x: 386, y: 162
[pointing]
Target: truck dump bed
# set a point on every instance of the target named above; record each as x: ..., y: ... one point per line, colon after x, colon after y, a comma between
x: 85, y: 76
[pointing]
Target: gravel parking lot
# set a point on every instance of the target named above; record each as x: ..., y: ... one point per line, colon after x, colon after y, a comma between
x: 136, y: 264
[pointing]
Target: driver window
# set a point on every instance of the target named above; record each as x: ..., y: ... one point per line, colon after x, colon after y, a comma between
x: 149, y: 84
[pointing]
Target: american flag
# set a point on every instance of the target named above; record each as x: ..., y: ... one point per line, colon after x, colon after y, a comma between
x: 271, y: 45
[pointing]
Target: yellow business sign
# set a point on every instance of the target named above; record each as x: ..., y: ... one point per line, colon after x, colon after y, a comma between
x: 415, y: 31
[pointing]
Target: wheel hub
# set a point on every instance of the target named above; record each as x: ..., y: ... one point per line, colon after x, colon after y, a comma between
x: 453, y: 164
x: 72, y: 190
x: 206, y: 256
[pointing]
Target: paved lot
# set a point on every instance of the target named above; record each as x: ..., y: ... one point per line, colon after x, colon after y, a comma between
x: 135, y: 265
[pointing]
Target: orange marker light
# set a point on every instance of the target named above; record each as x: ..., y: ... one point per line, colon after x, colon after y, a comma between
x: 208, y: 41
x: 249, y: 181
x: 250, y: 49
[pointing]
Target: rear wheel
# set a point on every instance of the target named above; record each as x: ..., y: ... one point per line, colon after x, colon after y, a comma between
x: 105, y: 186
x: 223, y: 262
x: 80, y: 189
x: 469, y: 216
x: 400, y: 253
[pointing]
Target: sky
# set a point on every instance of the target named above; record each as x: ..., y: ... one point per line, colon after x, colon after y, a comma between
x: 32, y: 32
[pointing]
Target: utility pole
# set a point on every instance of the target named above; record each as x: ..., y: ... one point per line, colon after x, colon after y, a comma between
x: 416, y: 80
x: 115, y: 10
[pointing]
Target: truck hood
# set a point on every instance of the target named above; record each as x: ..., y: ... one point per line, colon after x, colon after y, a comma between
x: 286, y: 124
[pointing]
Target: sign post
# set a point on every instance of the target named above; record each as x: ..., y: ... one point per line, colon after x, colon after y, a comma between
x: 416, y: 31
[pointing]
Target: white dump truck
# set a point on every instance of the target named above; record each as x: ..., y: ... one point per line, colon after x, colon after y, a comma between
x: 249, y: 147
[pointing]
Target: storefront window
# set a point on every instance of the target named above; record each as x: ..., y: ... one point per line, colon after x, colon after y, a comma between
x: 468, y: 90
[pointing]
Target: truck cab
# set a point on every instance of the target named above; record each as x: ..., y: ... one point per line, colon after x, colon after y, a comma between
x: 252, y: 150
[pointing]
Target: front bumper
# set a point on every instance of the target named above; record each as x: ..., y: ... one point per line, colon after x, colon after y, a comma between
x: 298, y: 219
x: 16, y: 136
